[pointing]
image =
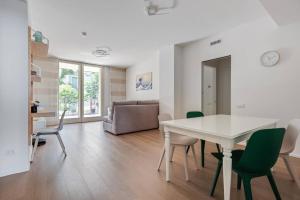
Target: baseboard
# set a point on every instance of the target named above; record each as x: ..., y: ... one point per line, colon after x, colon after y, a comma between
x: 16, y: 169
x: 30, y: 148
x: 295, y: 155
x: 8, y: 173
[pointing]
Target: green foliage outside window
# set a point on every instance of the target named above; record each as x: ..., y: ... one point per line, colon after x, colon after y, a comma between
x: 67, y: 96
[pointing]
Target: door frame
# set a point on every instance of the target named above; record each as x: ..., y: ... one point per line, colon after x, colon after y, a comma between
x: 202, y: 77
x: 81, y: 118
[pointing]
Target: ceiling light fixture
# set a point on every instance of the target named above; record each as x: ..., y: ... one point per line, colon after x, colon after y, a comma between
x: 155, y: 9
x: 102, y: 51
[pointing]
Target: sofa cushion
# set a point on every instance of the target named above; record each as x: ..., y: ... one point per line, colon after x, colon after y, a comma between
x: 120, y: 103
x: 124, y: 103
x: 132, y: 118
x: 145, y: 102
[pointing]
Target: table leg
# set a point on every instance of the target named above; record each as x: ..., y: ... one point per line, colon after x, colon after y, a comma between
x: 200, y: 153
x: 227, y: 167
x: 167, y: 148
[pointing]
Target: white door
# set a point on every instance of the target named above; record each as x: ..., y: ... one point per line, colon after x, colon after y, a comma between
x: 209, y: 90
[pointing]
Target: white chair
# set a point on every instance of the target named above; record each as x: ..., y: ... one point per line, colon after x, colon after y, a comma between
x: 178, y: 140
x: 288, y: 146
x: 50, y: 131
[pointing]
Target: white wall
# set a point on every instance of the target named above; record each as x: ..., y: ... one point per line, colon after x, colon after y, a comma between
x: 178, y: 70
x: 150, y: 64
x: 265, y: 91
x: 166, y: 80
x: 13, y: 87
x: 166, y: 67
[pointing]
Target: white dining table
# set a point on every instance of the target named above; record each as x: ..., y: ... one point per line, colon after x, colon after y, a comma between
x: 226, y: 130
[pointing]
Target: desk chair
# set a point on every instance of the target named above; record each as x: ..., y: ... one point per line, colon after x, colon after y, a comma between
x: 50, y: 131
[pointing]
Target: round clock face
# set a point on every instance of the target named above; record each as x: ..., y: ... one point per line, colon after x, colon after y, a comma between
x: 270, y: 58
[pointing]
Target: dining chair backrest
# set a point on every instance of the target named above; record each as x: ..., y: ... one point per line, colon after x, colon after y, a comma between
x: 262, y: 151
x: 61, y: 121
x: 163, y: 117
x: 193, y: 114
x: 290, y: 137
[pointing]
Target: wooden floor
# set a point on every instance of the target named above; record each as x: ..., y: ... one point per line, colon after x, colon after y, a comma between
x: 106, y: 167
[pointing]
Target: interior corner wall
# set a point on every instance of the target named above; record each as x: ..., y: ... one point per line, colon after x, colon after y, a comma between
x: 178, y: 70
x: 224, y: 86
x: 14, y: 150
x: 150, y: 64
x: 255, y: 90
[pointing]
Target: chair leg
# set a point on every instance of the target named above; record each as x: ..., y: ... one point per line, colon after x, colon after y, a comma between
x: 219, y: 148
x: 161, y: 158
x: 61, y: 144
x: 35, y: 147
x: 273, y: 185
x: 172, y: 153
x: 291, y: 170
x: 186, y: 165
x: 195, y: 158
x: 215, y: 179
x: 202, y: 152
x: 187, y: 149
x: 239, y: 182
x: 247, y: 188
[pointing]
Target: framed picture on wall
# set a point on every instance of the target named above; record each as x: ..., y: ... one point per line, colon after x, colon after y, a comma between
x: 144, y: 81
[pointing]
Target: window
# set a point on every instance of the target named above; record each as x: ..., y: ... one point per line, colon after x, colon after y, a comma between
x: 92, y: 91
x: 80, y: 91
x: 69, y: 89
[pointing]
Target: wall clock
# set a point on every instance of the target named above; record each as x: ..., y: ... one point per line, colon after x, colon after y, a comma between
x: 270, y: 58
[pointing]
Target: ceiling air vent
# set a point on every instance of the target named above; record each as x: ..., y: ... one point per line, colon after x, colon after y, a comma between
x: 102, y: 52
x: 215, y: 42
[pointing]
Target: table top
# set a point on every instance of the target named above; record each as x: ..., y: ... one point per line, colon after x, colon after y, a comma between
x: 227, y: 126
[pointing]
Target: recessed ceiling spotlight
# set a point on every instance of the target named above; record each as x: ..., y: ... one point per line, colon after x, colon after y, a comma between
x: 83, y: 34
x: 102, y: 51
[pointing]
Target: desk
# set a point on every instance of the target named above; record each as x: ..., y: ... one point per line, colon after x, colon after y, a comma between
x: 226, y: 130
x: 43, y: 113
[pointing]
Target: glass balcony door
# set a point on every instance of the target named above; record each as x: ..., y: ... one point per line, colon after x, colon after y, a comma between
x: 92, y: 108
x: 80, y: 92
x: 69, y: 91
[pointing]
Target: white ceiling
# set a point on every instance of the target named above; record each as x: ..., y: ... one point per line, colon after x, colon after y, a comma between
x: 283, y: 12
x: 123, y: 26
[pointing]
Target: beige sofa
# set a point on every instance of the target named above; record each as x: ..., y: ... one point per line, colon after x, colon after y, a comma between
x: 132, y: 116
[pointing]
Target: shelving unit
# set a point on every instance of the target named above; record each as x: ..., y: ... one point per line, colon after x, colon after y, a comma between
x: 39, y: 50
x: 35, y: 50
x: 35, y: 78
x: 43, y: 114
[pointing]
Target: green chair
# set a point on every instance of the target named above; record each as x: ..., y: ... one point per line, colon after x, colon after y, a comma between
x: 256, y: 160
x: 193, y: 114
